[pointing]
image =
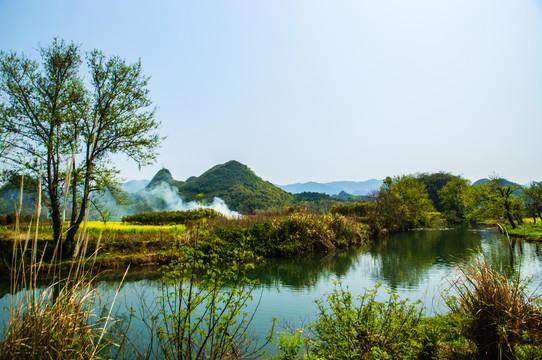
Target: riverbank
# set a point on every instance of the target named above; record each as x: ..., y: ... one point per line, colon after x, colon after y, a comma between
x: 527, y: 231
x: 115, y: 245
x: 413, y: 263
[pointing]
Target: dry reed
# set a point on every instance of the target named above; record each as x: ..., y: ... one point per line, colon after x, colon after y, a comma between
x: 499, y: 314
x: 58, y: 321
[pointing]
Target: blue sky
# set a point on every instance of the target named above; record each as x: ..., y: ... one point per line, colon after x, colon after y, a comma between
x: 311, y: 90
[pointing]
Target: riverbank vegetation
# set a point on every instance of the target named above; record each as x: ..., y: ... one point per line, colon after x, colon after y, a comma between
x: 203, y: 313
x: 207, y: 261
x: 402, y: 203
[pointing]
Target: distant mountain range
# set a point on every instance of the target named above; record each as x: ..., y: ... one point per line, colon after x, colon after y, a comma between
x: 356, y: 188
x: 133, y: 186
x: 232, y: 182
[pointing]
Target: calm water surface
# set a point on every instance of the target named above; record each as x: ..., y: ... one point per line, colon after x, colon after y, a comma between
x: 416, y: 264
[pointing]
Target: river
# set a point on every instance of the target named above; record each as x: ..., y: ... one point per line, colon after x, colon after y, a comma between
x: 417, y: 265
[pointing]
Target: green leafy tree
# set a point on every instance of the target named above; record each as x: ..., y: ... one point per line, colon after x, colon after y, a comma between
x: 459, y: 201
x: 68, y: 131
x: 414, y: 196
x: 533, y: 203
x: 386, y: 212
x: 401, y: 203
x: 500, y: 199
x: 7, y: 140
x: 433, y: 184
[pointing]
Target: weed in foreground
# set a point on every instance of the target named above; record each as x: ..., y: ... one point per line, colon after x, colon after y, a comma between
x: 364, y: 328
x: 500, y: 318
x: 58, y: 321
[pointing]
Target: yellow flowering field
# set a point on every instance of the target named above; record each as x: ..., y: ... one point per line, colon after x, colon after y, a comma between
x: 130, y: 228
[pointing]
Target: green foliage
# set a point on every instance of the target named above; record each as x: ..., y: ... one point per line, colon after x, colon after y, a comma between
x: 533, y: 203
x: 315, y: 202
x: 203, y: 303
x: 459, y: 202
x: 68, y: 127
x: 528, y: 231
x: 296, y: 233
x: 364, y: 328
x: 171, y: 217
x: 402, y: 203
x: 501, y: 199
x: 357, y: 209
x: 289, y: 344
x: 433, y: 184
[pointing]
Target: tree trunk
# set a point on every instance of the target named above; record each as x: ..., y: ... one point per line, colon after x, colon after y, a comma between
x: 69, y: 242
x: 510, y: 219
x: 57, y: 226
x: 79, y: 214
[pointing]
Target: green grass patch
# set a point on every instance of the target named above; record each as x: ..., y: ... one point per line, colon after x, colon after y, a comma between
x: 528, y: 230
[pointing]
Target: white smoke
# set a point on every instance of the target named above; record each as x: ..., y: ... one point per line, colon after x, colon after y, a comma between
x: 164, y: 197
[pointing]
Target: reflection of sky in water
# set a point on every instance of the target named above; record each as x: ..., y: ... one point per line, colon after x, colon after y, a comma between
x: 416, y: 270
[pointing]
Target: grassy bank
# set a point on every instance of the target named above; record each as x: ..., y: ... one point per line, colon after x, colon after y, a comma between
x: 112, y: 245
x: 267, y: 235
x: 528, y: 231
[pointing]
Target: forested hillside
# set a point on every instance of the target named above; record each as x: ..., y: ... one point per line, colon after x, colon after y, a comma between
x: 238, y: 186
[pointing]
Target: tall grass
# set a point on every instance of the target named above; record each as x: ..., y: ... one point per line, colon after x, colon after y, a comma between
x: 500, y: 317
x: 58, y: 320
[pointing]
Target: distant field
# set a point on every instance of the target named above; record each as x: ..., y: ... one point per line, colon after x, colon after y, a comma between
x: 130, y: 228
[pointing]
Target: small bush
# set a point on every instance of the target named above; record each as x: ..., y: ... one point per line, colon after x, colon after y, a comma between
x: 171, y: 217
x: 363, y: 328
x: 289, y: 344
x: 501, y: 319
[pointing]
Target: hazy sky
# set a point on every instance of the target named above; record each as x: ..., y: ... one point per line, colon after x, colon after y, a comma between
x: 311, y: 90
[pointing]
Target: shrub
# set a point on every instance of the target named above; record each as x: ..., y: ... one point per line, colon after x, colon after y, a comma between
x: 171, y: 217
x: 357, y: 209
x: 501, y: 319
x: 293, y: 234
x: 289, y: 344
x: 363, y: 328
x: 202, y: 306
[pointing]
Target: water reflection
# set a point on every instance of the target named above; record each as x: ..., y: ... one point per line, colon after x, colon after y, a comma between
x: 405, y: 260
x: 304, y: 272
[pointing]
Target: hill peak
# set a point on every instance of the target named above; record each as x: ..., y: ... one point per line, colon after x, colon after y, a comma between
x: 233, y: 165
x: 238, y: 186
x: 163, y: 175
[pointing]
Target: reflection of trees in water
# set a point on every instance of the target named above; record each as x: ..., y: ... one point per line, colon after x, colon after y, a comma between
x: 514, y: 253
x: 304, y: 271
x: 107, y: 280
x: 404, y: 260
